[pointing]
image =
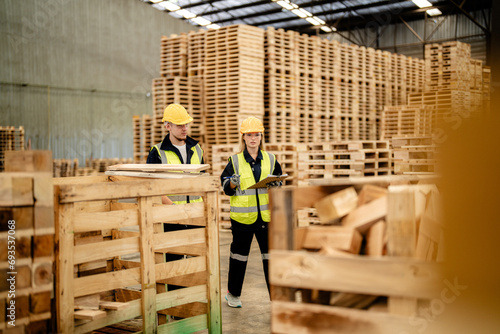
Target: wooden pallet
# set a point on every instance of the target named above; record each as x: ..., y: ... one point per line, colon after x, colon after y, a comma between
x: 27, y: 240
x: 174, y: 55
x: 124, y: 232
x: 407, y: 120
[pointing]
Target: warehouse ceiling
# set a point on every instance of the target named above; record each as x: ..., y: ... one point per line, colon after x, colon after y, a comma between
x: 318, y: 16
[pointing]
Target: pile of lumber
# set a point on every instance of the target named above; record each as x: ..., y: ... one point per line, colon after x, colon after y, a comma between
x: 11, y: 139
x: 65, y: 167
x: 27, y: 242
x: 369, y: 265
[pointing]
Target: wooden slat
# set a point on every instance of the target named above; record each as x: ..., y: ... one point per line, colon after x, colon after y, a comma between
x: 148, y: 281
x: 107, y: 249
x: 189, y: 325
x: 104, y: 282
x: 97, y: 221
x: 304, y: 318
x: 131, y: 189
x: 178, y: 238
x: 381, y: 276
x: 160, y: 167
x: 189, y: 214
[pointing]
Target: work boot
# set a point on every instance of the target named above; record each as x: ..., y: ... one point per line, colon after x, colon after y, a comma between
x: 233, y: 301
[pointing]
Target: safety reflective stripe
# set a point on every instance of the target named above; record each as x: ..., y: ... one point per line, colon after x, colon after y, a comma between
x: 163, y: 156
x: 238, y: 257
x: 198, y: 150
x: 249, y: 209
x: 265, y: 256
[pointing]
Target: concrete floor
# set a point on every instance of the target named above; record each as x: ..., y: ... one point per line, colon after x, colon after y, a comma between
x: 255, y: 315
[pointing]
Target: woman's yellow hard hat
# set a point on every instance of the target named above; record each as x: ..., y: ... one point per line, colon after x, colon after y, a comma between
x: 251, y: 124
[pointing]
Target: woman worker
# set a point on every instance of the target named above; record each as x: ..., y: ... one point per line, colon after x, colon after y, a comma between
x: 250, y: 213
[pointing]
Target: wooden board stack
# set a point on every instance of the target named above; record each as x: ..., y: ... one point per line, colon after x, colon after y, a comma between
x: 233, y: 80
x: 11, y: 139
x: 342, y: 159
x: 114, y: 284
x: 65, y: 167
x: 367, y: 269
x: 27, y: 242
x: 414, y: 155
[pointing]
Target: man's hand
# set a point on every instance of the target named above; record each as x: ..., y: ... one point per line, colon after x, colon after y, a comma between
x: 235, y: 180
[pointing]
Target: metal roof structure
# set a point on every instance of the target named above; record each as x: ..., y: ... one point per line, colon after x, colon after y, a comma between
x: 317, y: 16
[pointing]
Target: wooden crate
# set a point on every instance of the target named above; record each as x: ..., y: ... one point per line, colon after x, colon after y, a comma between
x: 27, y: 242
x: 126, y: 278
x: 305, y: 284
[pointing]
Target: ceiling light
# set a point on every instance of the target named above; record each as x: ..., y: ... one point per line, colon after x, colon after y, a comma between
x: 170, y: 6
x: 326, y: 29
x: 422, y: 3
x: 201, y: 21
x: 213, y: 26
x: 299, y: 13
x: 319, y: 20
x: 157, y: 6
x: 186, y: 13
x: 313, y: 21
x: 433, y: 12
x: 285, y: 5
x: 305, y: 12
x: 155, y: 1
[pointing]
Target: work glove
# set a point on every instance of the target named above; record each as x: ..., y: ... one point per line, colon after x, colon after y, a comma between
x: 235, y: 180
x: 274, y: 184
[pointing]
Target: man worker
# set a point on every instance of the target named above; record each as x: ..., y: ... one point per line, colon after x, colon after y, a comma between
x: 176, y: 148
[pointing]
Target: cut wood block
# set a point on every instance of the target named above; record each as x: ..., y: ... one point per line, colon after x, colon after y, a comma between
x: 429, y: 238
x: 363, y: 217
x: 369, y: 193
x: 40, y: 302
x: 16, y: 190
x: 337, y: 205
x: 376, y: 239
x: 113, y: 305
x: 22, y: 215
x: 401, y: 221
x: 43, y: 245
x: 42, y: 274
x: 28, y: 161
x: 89, y: 302
x: 90, y: 314
x: 347, y: 239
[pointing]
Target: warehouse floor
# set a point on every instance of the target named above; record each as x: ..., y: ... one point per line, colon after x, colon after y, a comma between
x: 255, y: 315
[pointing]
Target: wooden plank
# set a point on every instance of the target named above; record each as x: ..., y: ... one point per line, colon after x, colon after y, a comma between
x: 89, y: 302
x: 343, y: 238
x: 186, y: 310
x: 178, y: 238
x: 181, y: 296
x: 131, y: 189
x: 180, y: 267
x: 64, y: 263
x: 104, y: 282
x: 90, y: 314
x: 370, y: 192
x: 363, y: 217
x: 187, y: 213
x: 148, y: 281
x: 113, y: 305
x: 160, y: 167
x: 336, y: 205
x: 107, y: 250
x: 97, y: 221
x: 387, y: 276
x: 189, y: 325
x: 162, y: 175
x: 287, y: 317
x: 213, y: 267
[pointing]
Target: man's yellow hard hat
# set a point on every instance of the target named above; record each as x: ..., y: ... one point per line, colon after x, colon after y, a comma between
x: 251, y: 124
x: 176, y: 114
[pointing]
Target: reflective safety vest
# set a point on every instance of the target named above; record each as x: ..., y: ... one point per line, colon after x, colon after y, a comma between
x: 169, y: 157
x: 244, y: 205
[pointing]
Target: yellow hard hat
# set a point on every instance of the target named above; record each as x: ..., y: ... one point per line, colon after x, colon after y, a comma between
x: 251, y: 124
x: 177, y: 114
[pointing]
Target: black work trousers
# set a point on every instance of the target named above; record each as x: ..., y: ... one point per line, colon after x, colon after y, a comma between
x: 238, y: 258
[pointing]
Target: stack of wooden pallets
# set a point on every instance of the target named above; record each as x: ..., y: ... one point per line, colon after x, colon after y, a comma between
x: 414, y: 155
x: 65, y: 167
x: 174, y: 55
x: 233, y: 81
x: 196, y: 53
x: 367, y: 269
x: 11, y: 139
x: 407, y: 120
x: 342, y: 159
x: 27, y: 242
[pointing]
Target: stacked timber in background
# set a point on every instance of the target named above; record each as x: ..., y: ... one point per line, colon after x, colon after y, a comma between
x: 357, y: 271
x: 414, y: 155
x: 68, y: 168
x: 11, y: 139
x: 27, y: 242
x: 305, y: 89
